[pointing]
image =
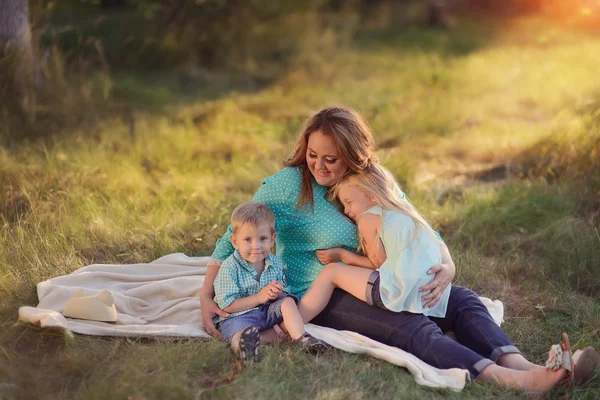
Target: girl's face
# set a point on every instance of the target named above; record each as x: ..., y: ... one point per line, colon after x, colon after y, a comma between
x: 323, y: 159
x: 354, y: 200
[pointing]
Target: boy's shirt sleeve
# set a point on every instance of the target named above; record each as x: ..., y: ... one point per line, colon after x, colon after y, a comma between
x: 226, y: 286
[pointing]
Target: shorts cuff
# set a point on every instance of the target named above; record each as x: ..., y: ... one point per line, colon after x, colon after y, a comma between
x: 479, y: 366
x: 292, y: 296
x: 370, y: 286
x: 503, y: 350
x: 275, y: 306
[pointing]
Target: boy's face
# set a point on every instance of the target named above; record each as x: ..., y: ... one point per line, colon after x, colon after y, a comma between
x: 253, y: 242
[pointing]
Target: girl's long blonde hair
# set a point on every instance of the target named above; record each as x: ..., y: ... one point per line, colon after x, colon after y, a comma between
x: 379, y: 183
x: 352, y: 136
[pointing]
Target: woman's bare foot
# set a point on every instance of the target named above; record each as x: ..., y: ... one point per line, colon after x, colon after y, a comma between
x: 539, y: 380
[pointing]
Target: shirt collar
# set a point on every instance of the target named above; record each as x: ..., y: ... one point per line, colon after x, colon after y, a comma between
x: 238, y: 257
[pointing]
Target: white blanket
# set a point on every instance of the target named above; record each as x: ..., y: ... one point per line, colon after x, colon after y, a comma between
x: 162, y: 299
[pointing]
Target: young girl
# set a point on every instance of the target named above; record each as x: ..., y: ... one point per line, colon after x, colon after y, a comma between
x: 395, y: 239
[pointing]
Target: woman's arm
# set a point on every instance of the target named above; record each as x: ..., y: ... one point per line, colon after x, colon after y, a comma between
x: 444, y: 274
x: 209, y: 308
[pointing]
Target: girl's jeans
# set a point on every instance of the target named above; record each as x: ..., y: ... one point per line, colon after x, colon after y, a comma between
x: 480, y: 342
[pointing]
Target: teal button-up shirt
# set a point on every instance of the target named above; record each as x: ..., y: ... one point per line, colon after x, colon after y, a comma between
x: 237, y: 279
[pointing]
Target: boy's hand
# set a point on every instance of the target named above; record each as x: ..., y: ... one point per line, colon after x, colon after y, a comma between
x: 269, y: 292
x: 330, y: 255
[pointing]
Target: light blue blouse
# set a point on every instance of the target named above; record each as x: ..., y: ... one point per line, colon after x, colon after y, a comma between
x: 411, y: 250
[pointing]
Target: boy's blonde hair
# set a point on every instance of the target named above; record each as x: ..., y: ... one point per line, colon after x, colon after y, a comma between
x: 352, y: 136
x: 253, y: 213
x: 379, y: 183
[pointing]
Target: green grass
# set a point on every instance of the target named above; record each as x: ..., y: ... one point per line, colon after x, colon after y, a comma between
x: 162, y: 171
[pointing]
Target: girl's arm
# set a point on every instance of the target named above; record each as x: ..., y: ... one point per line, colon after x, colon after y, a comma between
x: 337, y: 254
x: 368, y: 229
x: 369, y: 226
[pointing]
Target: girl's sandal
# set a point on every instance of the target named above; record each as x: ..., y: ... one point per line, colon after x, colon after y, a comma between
x: 249, y: 344
x: 311, y: 344
x: 578, y: 372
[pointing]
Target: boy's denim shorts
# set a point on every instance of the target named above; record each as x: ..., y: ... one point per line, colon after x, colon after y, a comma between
x: 264, y: 317
x: 372, y: 294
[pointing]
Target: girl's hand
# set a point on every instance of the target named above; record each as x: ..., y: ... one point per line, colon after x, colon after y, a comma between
x: 209, y: 310
x: 330, y: 255
x: 444, y: 273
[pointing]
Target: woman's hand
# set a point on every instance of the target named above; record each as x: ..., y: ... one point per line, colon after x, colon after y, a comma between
x: 330, y: 255
x: 210, y: 309
x: 444, y: 273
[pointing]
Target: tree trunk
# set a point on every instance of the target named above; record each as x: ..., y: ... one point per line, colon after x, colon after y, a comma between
x: 19, y: 77
x: 437, y: 14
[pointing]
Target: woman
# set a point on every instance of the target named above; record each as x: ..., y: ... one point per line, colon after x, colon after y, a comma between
x: 332, y: 142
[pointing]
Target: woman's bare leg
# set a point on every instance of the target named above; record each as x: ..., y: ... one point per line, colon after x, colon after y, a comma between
x: 517, y: 362
x: 346, y: 277
x: 535, y: 381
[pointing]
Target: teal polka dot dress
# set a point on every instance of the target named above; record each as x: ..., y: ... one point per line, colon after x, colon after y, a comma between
x: 299, y: 232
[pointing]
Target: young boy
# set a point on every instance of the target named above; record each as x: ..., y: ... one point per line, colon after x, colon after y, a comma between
x: 250, y: 285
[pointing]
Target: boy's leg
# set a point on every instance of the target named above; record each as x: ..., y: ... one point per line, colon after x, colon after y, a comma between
x: 232, y: 327
x: 349, y: 278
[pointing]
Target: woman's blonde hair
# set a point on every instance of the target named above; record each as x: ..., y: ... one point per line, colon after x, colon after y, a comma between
x: 352, y: 136
x: 379, y: 184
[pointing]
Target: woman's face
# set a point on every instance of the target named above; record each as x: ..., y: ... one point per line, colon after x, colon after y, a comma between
x: 323, y: 159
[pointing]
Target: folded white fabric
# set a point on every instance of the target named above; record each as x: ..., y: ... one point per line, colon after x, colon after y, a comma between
x: 161, y: 298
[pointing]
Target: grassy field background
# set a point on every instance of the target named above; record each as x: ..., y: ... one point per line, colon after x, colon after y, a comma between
x: 493, y: 130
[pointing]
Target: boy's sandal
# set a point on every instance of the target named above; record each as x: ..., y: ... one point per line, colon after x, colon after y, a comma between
x: 249, y: 343
x: 580, y: 367
x: 311, y: 344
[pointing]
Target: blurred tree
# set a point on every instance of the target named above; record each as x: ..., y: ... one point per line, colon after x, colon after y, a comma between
x: 437, y: 14
x: 19, y: 75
